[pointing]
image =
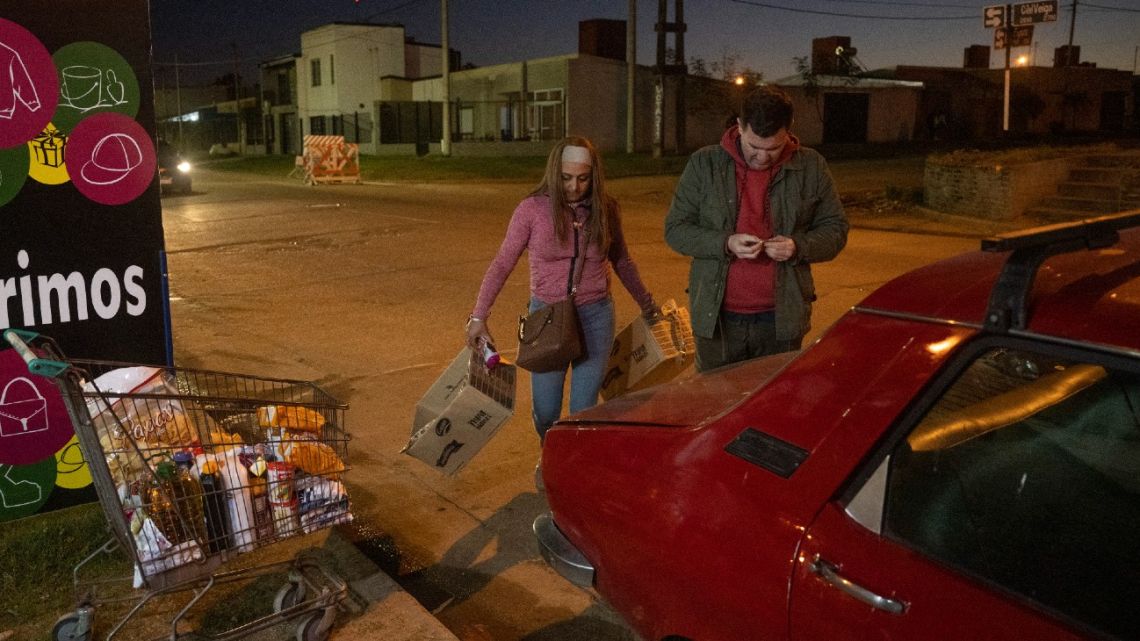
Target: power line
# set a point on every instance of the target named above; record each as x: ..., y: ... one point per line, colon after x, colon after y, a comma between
x: 1107, y: 8
x: 853, y: 15
x: 900, y: 3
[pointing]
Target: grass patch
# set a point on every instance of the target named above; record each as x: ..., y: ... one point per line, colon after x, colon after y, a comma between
x: 435, y: 168
x: 40, y: 553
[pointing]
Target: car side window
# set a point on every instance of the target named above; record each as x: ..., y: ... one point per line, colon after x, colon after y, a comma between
x: 1026, y: 474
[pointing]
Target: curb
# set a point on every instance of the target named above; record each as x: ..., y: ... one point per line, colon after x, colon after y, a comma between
x: 389, y: 613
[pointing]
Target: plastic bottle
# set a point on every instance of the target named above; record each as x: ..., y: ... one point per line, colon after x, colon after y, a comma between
x: 490, y: 356
x: 259, y: 496
x: 235, y: 480
x: 158, y: 501
x: 188, y: 496
x: 214, y: 506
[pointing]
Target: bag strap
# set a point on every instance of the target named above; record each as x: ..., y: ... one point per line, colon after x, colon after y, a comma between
x: 571, y: 281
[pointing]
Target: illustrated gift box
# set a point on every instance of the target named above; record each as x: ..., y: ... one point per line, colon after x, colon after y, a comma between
x: 644, y: 354
x: 461, y: 412
x: 49, y: 146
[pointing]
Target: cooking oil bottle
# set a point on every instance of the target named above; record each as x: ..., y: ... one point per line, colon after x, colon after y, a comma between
x: 188, y: 497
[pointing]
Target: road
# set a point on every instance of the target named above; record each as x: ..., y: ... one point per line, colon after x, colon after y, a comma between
x: 365, y: 289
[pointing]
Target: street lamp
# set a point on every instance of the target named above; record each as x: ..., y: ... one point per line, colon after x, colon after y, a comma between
x: 738, y: 81
x: 1022, y: 60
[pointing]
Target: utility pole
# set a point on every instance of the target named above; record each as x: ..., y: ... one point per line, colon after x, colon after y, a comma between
x: 445, y: 144
x: 1008, y: 42
x: 237, y: 98
x: 662, y: 70
x: 631, y: 75
x: 178, y: 102
x: 1072, y: 27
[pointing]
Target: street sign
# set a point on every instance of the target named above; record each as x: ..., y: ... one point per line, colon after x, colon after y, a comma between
x: 994, y: 16
x: 1013, y: 37
x: 1027, y: 13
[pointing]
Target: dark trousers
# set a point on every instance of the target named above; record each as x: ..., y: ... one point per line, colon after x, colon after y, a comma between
x: 739, y: 337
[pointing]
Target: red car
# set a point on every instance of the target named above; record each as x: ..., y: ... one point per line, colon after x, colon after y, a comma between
x: 957, y: 458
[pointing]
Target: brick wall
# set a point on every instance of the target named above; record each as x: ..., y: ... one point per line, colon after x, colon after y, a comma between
x: 994, y: 192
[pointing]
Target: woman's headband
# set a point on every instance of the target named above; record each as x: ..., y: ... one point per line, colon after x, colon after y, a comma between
x: 574, y: 153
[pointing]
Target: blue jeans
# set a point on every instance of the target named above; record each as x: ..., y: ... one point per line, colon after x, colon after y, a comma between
x: 597, y: 320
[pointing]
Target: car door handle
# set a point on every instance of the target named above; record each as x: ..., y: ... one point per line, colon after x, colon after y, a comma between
x: 830, y: 573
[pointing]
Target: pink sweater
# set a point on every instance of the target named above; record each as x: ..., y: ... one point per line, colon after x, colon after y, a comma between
x: 532, y: 229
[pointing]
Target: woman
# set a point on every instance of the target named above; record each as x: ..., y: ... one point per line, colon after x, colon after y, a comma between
x: 572, y: 194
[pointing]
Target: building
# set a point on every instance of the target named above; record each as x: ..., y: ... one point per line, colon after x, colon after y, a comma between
x: 838, y: 103
x: 384, y: 91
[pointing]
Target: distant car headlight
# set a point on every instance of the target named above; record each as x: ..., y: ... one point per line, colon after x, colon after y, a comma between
x: 184, y: 167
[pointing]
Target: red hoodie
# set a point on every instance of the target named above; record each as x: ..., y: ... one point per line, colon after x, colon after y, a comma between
x: 751, y: 285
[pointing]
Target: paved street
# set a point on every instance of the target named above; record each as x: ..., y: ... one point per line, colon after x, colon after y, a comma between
x: 365, y: 289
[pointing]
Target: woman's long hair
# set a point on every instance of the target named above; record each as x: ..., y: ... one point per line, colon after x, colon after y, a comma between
x: 602, y: 207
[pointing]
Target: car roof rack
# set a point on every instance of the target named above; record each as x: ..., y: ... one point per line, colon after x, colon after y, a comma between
x: 1030, y: 248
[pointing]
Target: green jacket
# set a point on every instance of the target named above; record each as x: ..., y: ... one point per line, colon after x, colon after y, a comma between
x: 804, y: 206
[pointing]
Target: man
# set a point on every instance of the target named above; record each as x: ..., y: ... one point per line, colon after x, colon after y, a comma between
x: 753, y: 213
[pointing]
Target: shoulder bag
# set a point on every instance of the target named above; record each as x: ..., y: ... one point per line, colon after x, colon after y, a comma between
x: 550, y: 337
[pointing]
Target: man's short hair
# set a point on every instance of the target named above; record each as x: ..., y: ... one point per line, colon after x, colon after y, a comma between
x: 766, y: 110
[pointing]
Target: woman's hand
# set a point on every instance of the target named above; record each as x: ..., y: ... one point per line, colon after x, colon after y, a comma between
x: 651, y: 313
x: 477, y: 333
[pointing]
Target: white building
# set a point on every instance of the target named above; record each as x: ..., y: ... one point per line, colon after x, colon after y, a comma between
x: 376, y: 87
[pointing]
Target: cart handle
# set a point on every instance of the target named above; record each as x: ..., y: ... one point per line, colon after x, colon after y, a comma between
x: 19, y: 339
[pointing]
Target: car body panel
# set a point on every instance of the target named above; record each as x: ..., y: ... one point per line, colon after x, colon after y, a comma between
x: 692, y: 539
x: 940, y: 604
x: 702, y: 498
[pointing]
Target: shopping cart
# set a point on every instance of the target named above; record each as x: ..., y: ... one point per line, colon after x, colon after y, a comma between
x: 193, y: 468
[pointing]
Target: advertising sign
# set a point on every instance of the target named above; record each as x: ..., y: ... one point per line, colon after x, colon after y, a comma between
x: 81, y: 234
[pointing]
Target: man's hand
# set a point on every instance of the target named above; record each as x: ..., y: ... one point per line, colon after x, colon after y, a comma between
x: 780, y: 248
x: 744, y: 246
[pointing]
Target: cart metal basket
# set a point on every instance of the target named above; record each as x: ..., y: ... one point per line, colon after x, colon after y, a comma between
x: 193, y: 468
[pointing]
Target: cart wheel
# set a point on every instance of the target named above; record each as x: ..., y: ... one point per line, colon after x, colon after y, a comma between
x: 312, y: 629
x: 288, y: 596
x: 71, y: 627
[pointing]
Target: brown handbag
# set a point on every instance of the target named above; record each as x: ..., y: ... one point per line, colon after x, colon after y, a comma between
x: 550, y: 337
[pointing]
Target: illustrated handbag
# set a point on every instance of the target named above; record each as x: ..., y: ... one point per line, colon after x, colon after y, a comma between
x: 550, y: 337
x: 22, y: 416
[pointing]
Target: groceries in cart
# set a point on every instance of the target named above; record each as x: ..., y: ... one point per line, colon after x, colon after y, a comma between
x: 193, y: 467
x: 199, y: 474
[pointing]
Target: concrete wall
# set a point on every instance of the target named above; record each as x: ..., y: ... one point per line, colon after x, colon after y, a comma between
x: 994, y: 192
x: 595, y: 101
x: 892, y: 113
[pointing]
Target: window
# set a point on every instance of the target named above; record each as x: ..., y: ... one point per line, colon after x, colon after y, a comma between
x: 545, y: 114
x: 316, y: 125
x: 284, y: 90
x: 332, y: 70
x: 315, y: 71
x: 1026, y: 474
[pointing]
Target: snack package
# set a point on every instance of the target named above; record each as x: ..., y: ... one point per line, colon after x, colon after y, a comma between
x: 128, y: 419
x: 141, y: 419
x: 290, y: 417
x: 313, y: 457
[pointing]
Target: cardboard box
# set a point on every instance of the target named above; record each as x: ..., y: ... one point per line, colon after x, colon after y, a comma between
x: 461, y: 412
x: 644, y: 355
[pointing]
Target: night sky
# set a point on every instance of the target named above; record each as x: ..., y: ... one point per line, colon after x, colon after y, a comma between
x: 208, y: 35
